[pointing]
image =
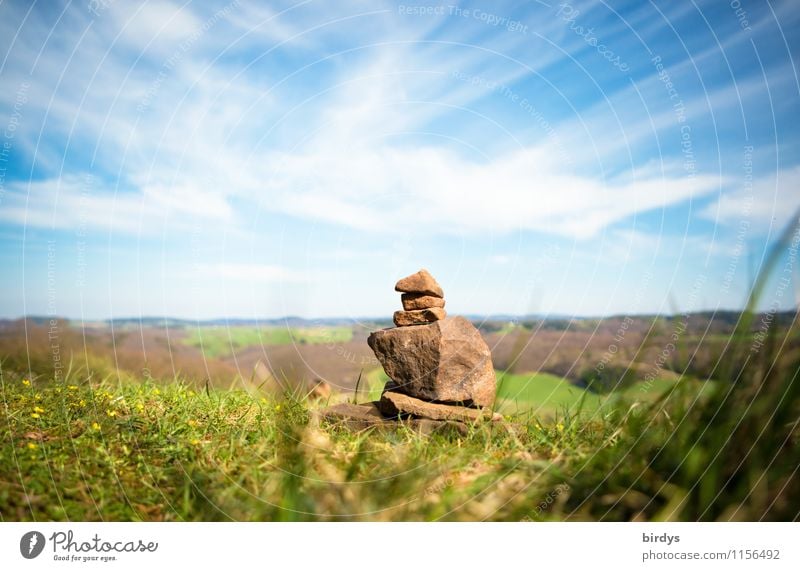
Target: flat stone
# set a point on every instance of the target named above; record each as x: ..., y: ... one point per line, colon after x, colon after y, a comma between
x: 418, y: 316
x: 421, y: 282
x: 445, y: 361
x: 368, y: 415
x: 355, y: 416
x: 394, y: 404
x: 413, y: 301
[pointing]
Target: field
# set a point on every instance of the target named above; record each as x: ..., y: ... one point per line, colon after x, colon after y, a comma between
x: 545, y: 395
x: 542, y: 394
x: 79, y: 450
x: 711, y: 436
x: 264, y: 261
x: 224, y: 341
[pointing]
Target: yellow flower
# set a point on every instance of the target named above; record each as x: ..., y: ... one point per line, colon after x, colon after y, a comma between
x: 32, y: 446
x: 194, y: 441
x: 95, y: 426
x: 82, y: 403
x: 560, y: 427
x: 26, y: 382
x: 156, y: 392
x: 38, y: 409
x: 139, y: 406
x: 277, y: 408
x: 35, y: 415
x: 191, y: 422
x: 72, y: 387
x: 263, y: 400
x: 111, y: 413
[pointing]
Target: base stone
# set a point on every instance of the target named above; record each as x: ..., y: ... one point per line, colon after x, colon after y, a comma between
x: 394, y: 404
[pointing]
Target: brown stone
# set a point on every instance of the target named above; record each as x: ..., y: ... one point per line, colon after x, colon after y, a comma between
x: 445, y: 361
x: 413, y: 301
x: 355, y: 416
x: 418, y: 316
x: 421, y: 282
x: 396, y: 404
x: 368, y: 415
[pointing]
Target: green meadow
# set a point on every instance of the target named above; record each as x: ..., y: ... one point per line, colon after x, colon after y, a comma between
x: 94, y: 444
x: 83, y: 448
x: 223, y: 341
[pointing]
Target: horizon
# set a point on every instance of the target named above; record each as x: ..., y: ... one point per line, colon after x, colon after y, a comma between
x: 372, y: 318
x: 217, y: 158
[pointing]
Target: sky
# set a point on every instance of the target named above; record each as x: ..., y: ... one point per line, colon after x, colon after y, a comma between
x: 233, y: 159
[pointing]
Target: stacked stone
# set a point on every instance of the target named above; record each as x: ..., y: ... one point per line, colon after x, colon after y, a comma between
x: 422, y: 298
x: 441, y: 368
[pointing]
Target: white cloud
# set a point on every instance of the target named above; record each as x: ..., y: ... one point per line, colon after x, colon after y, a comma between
x: 502, y: 259
x: 154, y: 23
x: 75, y: 203
x: 188, y: 199
x: 769, y: 204
x: 269, y: 24
x: 251, y: 273
x: 209, y: 134
x: 429, y: 190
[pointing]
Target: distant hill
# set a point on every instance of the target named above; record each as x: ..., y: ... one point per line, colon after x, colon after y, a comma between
x: 491, y: 322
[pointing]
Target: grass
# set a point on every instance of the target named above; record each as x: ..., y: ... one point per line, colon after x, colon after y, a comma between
x: 372, y: 383
x: 81, y: 451
x: 223, y: 341
x: 78, y: 448
x: 541, y: 394
x: 657, y: 388
x: 544, y: 395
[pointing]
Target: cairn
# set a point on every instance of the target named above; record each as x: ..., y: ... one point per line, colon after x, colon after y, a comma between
x: 440, y: 368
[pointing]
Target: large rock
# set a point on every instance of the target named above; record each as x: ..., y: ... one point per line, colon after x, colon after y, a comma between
x: 418, y: 316
x: 421, y: 282
x: 413, y: 301
x: 446, y: 361
x: 396, y: 404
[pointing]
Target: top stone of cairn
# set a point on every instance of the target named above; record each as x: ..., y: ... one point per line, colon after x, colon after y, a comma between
x: 421, y: 282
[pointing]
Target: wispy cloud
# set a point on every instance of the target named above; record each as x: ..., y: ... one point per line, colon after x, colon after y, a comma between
x: 766, y: 204
x: 353, y: 166
x: 85, y: 203
x: 331, y: 117
x: 252, y: 273
x: 430, y: 190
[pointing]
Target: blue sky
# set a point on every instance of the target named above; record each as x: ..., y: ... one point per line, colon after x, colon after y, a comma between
x: 208, y: 159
